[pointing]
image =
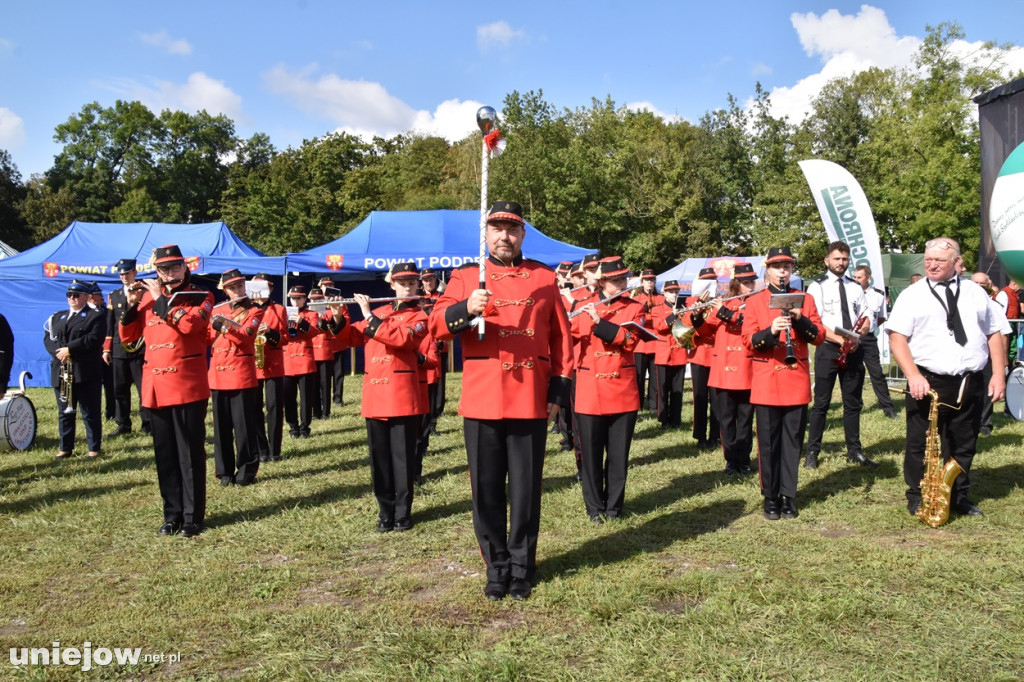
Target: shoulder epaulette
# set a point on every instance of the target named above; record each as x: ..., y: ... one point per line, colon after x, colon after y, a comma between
x: 878, y: 290
x: 470, y: 264
x: 822, y: 279
x: 537, y: 262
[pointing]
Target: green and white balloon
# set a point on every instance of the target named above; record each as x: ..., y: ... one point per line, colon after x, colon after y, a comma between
x: 1006, y: 215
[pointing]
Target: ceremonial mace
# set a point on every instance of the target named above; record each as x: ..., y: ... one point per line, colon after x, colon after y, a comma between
x: 487, y: 121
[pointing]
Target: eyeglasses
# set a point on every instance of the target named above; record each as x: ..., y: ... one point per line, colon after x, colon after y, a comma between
x: 74, y: 294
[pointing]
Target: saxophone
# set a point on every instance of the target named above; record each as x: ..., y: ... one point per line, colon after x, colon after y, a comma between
x: 937, y: 484
x: 260, y: 350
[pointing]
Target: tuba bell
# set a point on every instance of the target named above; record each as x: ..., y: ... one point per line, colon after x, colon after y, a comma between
x: 683, y: 333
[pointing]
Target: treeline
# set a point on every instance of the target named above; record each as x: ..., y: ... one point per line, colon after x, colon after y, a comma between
x: 601, y: 176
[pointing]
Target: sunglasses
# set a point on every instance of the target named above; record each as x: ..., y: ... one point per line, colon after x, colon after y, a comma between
x: 72, y: 294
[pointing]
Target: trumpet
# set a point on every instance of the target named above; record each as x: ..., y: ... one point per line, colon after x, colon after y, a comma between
x: 330, y: 302
x: 66, y: 385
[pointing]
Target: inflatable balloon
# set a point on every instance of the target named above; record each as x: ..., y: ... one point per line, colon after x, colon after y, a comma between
x: 1006, y: 215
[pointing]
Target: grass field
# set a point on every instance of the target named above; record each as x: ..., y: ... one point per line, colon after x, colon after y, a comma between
x: 289, y: 581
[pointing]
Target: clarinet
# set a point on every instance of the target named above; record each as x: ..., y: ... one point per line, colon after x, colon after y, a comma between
x: 790, y: 358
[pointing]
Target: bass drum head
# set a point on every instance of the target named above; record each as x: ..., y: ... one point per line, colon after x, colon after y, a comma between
x: 18, y: 419
x: 1015, y: 393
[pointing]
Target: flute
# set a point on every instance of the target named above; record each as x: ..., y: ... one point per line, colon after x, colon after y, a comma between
x: 329, y: 302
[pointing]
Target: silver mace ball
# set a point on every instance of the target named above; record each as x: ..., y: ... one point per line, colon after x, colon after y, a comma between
x: 486, y: 119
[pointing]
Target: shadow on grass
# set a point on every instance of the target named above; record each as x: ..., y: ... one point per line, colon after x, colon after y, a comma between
x: 690, y: 485
x: 71, y: 495
x: 422, y: 515
x: 661, y: 454
x: 267, y: 469
x: 848, y: 476
x: 998, y: 482
x: 316, y: 499
x: 651, y: 537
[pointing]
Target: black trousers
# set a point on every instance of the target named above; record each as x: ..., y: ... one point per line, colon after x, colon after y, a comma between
x: 508, y: 451
x: 339, y: 376
x: 236, y: 421
x: 298, y: 402
x: 986, y: 405
x: 873, y: 365
x: 438, y: 400
x: 703, y: 428
x: 269, y: 433
x: 128, y: 372
x: 644, y: 364
x: 324, y: 396
x: 851, y: 385
x: 109, y: 401
x: 735, y: 419
x: 423, y: 440
x: 565, y: 425
x: 780, y: 436
x: 670, y: 394
x: 604, y: 479
x: 179, y: 442
x: 958, y: 431
x: 87, y: 397
x: 392, y: 448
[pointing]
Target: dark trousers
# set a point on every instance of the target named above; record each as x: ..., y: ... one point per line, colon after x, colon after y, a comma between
x: 235, y: 427
x: 873, y: 365
x: 735, y: 419
x: 670, y: 394
x: 269, y: 433
x: 780, y: 436
x: 324, y: 396
x: 179, y: 442
x: 851, y: 385
x: 128, y: 372
x: 423, y: 441
x: 565, y: 426
x: 577, y: 449
x: 703, y: 428
x: 644, y: 364
x: 604, y: 479
x: 392, y: 448
x: 338, y: 369
x: 438, y: 400
x: 86, y: 396
x: 986, y: 404
x: 958, y: 431
x: 508, y: 451
x: 298, y: 402
x: 109, y: 401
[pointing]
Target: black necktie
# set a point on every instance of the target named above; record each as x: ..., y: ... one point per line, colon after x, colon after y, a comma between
x: 847, y: 322
x: 953, y: 321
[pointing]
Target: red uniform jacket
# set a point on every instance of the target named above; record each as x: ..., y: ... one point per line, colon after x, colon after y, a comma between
x: 174, y: 372
x: 703, y: 348
x: 773, y: 381
x: 525, y: 358
x: 323, y: 344
x: 583, y: 297
x: 606, y: 373
x: 666, y: 352
x: 649, y: 302
x: 232, y: 360
x: 395, y: 337
x: 276, y: 318
x: 427, y: 306
x: 298, y: 351
x: 730, y: 360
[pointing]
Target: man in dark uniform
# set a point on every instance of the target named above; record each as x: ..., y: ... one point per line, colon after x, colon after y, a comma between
x: 74, y: 337
x: 513, y: 379
x: 126, y: 362
x: 97, y: 303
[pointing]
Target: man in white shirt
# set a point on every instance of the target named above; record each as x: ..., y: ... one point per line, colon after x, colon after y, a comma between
x: 942, y: 331
x: 875, y: 300
x: 840, y: 302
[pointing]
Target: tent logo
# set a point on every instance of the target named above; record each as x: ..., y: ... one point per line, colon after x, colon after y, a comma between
x: 723, y: 267
x: 335, y: 261
x: 193, y: 263
x: 51, y: 269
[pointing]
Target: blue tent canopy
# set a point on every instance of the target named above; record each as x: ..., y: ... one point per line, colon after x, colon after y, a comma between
x: 436, y: 239
x: 35, y: 281
x: 688, y: 270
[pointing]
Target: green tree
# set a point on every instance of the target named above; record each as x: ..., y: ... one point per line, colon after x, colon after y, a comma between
x: 13, y: 228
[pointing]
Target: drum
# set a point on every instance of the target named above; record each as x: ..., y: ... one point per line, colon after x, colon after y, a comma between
x: 1015, y: 393
x: 17, y: 423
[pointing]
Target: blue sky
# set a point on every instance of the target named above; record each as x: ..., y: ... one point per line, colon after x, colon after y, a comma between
x: 297, y: 69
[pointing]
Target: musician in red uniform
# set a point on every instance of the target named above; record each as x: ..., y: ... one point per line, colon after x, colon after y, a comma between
x: 233, y: 383
x: 731, y: 369
x: 394, y: 397
x: 780, y: 390
x: 705, y: 430
x: 512, y: 380
x: 606, y: 393
x: 436, y: 379
x: 649, y: 298
x: 175, y: 387
x: 339, y: 347
x: 564, y: 422
x: 323, y: 354
x: 299, y: 364
x: 669, y: 359
x: 273, y: 330
x: 577, y: 279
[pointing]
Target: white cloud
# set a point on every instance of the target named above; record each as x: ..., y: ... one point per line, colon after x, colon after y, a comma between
x: 366, y: 108
x: 647, y: 106
x: 6, y: 45
x: 498, y: 35
x: 761, y: 69
x: 12, y: 129
x: 164, y: 41
x: 199, y: 92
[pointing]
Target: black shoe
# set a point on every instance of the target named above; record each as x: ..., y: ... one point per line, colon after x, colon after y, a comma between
x: 966, y: 508
x: 520, y: 589
x: 147, y: 430
x: 811, y: 460
x: 596, y: 519
x: 577, y: 477
x: 913, y: 506
x: 566, y: 447
x: 495, y: 591
x: 859, y: 458
x: 732, y: 471
x: 703, y: 444
x: 417, y: 480
x: 293, y: 434
x: 304, y: 434
x: 385, y: 526
x: 339, y: 401
x: 275, y: 458
x: 245, y: 481
x: 771, y: 509
x: 434, y: 431
x: 890, y: 414
x: 170, y: 528
x: 403, y: 525
x: 788, y: 508
x: 986, y: 430
x: 190, y: 530
x: 264, y: 458
x: 120, y: 431
x: 225, y: 481
x: 746, y: 470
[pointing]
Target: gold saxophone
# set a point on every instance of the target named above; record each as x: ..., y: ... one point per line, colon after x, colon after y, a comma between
x: 260, y: 350
x: 937, y: 484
